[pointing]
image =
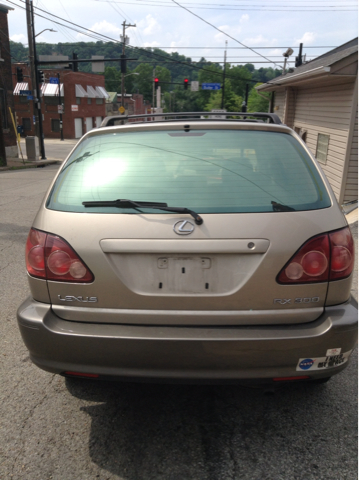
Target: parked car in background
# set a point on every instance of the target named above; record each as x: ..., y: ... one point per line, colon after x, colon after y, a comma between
x: 190, y: 249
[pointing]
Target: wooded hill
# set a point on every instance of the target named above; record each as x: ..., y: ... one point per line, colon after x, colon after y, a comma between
x: 171, y: 69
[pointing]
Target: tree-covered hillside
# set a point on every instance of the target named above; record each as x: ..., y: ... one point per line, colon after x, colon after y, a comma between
x: 171, y: 69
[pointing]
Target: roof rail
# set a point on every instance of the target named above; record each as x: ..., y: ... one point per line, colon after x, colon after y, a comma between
x: 163, y: 117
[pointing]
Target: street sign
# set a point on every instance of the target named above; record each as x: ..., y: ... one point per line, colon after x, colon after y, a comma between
x: 25, y: 92
x: 217, y: 110
x: 122, y: 109
x: 194, y: 86
x: 60, y: 109
x: 54, y: 80
x: 30, y: 97
x: 211, y: 86
x: 98, y: 67
x: 74, y: 108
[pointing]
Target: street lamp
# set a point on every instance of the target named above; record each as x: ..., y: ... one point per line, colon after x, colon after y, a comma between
x: 135, y: 73
x: 286, y: 55
x: 42, y: 31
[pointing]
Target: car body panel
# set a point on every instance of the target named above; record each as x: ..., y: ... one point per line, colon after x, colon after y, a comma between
x: 135, y: 351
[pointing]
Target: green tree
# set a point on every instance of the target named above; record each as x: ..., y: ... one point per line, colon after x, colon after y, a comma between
x: 211, y: 74
x: 239, y: 77
x: 232, y: 102
x: 144, y: 81
x: 256, y: 103
x: 112, y: 79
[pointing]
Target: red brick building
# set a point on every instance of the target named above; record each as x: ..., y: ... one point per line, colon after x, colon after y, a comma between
x: 82, y: 95
x: 6, y: 86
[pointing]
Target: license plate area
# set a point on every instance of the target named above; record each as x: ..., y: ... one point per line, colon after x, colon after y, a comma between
x: 190, y: 274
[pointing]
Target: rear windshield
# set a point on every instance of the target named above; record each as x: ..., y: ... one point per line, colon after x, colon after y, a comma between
x: 209, y: 171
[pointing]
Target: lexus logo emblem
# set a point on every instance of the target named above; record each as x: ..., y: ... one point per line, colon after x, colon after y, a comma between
x: 183, y: 227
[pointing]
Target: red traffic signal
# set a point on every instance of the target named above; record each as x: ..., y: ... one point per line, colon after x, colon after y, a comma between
x: 156, y: 83
x: 185, y: 83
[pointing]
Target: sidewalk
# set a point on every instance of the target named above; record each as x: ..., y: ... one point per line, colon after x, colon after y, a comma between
x: 55, y: 150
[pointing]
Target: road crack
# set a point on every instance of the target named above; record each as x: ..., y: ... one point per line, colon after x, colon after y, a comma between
x: 31, y: 413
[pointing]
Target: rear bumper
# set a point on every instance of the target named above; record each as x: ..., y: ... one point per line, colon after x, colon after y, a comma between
x: 118, y: 351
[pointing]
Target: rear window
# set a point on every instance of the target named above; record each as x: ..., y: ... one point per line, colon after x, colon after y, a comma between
x: 209, y: 171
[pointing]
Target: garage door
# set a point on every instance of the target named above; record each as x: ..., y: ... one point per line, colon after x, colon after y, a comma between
x: 89, y: 124
x: 78, y: 127
x: 98, y: 121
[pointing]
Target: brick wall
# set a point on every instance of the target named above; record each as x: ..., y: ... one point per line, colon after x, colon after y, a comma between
x: 72, y: 110
x: 6, y: 83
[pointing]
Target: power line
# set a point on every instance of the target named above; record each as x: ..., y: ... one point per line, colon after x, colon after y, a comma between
x: 219, y: 30
x: 190, y: 48
x: 251, y: 7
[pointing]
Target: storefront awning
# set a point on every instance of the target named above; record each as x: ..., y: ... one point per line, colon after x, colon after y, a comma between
x: 80, y: 91
x: 91, y: 92
x: 102, y: 92
x: 52, y: 89
x: 20, y: 86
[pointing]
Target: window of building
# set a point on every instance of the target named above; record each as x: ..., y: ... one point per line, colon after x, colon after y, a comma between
x: 26, y: 123
x: 89, y: 100
x: 55, y: 125
x: 99, y: 101
x: 3, y: 109
x: 51, y: 100
x: 78, y: 100
x: 322, y: 148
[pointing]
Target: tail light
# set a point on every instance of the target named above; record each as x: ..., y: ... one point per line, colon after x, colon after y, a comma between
x: 326, y: 257
x: 51, y: 258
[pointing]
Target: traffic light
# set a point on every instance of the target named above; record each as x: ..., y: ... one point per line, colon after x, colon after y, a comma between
x: 156, y: 83
x: 19, y: 75
x: 185, y: 83
x: 41, y: 76
x: 123, y: 63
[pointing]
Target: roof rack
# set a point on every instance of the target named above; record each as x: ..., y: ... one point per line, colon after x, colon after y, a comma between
x: 165, y: 117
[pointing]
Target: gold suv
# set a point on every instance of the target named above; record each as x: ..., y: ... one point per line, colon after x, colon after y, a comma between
x: 190, y: 249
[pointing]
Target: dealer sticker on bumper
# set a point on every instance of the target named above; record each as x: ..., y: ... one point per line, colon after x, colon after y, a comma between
x: 321, y: 363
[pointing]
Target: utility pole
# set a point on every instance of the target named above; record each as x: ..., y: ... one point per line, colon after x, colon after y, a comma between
x: 245, y: 101
x: 123, y: 68
x: 34, y: 76
x: 153, y: 89
x: 224, y: 74
x: 60, y: 103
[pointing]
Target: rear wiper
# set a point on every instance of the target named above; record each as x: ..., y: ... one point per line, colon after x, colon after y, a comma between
x: 156, y: 205
x: 278, y: 207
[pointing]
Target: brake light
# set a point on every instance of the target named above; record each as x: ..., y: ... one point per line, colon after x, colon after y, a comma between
x: 50, y: 257
x: 326, y: 257
x: 343, y: 254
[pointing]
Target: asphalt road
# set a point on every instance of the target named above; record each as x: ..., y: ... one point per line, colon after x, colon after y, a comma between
x: 52, y: 428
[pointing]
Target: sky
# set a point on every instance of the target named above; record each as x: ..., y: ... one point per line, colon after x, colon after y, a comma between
x: 277, y: 24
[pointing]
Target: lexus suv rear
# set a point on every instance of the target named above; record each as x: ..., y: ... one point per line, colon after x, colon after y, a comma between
x: 190, y: 249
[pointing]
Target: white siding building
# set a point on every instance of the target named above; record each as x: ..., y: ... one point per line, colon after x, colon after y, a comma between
x: 319, y: 100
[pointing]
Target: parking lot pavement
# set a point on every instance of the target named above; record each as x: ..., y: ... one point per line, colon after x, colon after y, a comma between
x: 52, y: 428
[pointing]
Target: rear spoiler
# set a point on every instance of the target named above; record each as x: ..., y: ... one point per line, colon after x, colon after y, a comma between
x: 197, y: 116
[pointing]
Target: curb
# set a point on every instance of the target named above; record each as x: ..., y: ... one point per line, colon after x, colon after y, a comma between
x: 37, y: 163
